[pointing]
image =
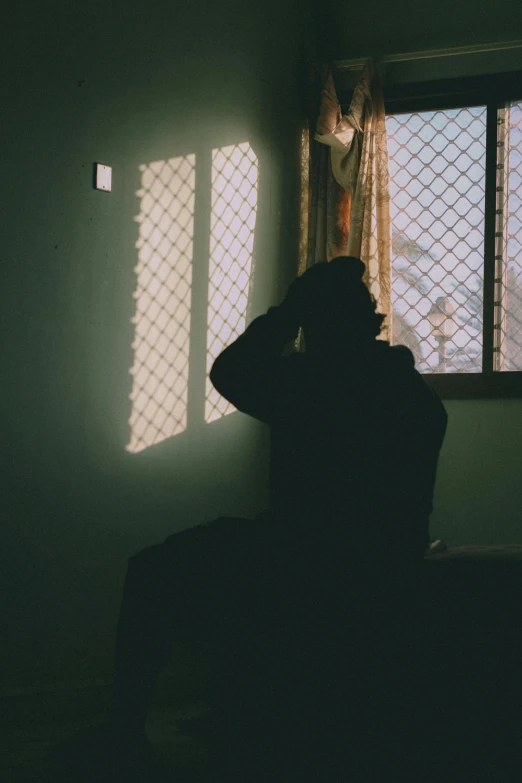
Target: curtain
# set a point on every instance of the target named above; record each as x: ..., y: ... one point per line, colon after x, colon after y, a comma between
x: 347, y: 211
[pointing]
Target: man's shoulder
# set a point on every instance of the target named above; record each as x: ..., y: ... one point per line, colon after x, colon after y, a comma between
x: 402, y: 353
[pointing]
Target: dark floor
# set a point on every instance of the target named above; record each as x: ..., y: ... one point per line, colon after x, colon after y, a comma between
x: 46, y: 739
x: 460, y: 689
x: 46, y: 735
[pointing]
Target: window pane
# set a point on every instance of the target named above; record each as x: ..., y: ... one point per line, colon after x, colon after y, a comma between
x: 508, y: 342
x: 437, y: 184
x: 232, y: 226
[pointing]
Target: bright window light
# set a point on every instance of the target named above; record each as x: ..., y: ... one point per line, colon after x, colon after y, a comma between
x: 437, y: 185
x: 508, y: 274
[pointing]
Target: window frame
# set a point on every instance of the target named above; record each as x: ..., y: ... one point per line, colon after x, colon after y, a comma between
x: 494, y: 92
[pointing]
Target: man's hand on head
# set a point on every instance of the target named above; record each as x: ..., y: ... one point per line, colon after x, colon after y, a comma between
x: 290, y: 311
x: 293, y: 302
x: 318, y: 290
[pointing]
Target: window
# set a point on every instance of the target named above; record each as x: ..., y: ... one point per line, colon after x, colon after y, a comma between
x: 455, y: 161
x: 437, y: 164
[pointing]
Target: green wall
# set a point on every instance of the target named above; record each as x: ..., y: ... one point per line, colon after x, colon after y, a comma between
x: 124, y: 85
x: 479, y: 489
x: 379, y: 28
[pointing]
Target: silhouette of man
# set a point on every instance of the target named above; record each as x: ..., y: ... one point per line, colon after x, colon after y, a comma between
x: 356, y: 435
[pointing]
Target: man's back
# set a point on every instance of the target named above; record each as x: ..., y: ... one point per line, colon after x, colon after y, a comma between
x: 355, y: 434
x: 355, y: 444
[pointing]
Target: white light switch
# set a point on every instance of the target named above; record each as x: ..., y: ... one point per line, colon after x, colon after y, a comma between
x: 103, y: 177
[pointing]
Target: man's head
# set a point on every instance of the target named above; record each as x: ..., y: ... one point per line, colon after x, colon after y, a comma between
x: 335, y: 305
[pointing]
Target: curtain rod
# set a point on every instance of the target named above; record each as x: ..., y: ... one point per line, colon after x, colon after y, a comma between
x: 397, y: 58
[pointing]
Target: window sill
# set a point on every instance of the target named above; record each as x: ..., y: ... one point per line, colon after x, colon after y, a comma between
x: 465, y: 386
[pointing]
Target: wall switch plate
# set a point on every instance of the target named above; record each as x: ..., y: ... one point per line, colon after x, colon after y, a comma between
x: 102, y: 177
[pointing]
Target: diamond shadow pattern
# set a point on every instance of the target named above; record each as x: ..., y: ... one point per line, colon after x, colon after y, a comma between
x: 233, y: 220
x: 437, y: 181
x: 163, y: 301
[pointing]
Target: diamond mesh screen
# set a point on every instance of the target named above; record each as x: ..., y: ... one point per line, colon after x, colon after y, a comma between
x: 508, y: 277
x: 437, y: 182
x: 163, y: 301
x: 233, y: 220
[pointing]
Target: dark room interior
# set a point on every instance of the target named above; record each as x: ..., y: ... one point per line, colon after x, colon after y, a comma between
x: 199, y: 111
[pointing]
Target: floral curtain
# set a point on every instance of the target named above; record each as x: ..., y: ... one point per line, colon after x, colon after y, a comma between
x: 348, y: 199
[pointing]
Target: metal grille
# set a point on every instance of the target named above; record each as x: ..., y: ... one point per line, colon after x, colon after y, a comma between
x: 233, y: 220
x: 163, y: 301
x: 508, y: 267
x: 437, y: 182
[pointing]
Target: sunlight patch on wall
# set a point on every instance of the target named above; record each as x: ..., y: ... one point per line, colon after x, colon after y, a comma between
x: 163, y: 301
x: 233, y: 220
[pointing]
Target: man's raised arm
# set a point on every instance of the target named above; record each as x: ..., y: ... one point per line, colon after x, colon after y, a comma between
x: 247, y: 372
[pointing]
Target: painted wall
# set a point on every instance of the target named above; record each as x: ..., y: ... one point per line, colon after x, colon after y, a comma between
x: 378, y: 28
x: 125, y: 85
x: 478, y: 496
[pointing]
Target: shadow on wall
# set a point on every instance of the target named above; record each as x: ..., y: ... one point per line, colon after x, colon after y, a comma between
x: 194, y: 281
x: 169, y: 457
x: 165, y: 451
